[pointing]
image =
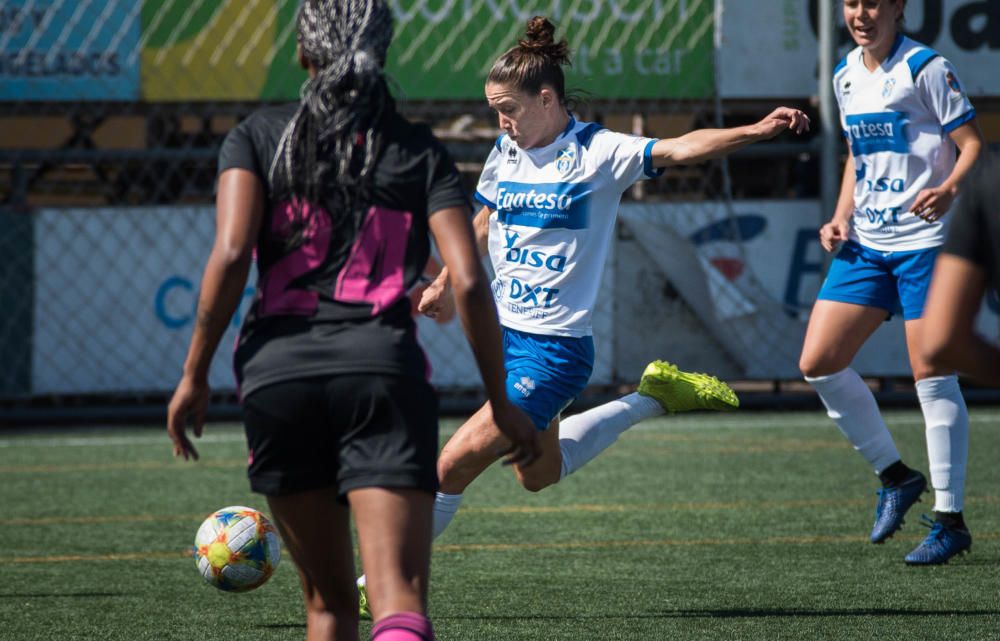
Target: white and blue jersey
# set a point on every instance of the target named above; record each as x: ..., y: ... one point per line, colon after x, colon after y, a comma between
x: 897, y: 120
x: 553, y: 213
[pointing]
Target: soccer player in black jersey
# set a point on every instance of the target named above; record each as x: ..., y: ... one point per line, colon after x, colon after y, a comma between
x: 336, y: 195
x: 968, y: 266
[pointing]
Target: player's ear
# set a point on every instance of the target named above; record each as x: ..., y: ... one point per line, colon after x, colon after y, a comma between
x: 548, y: 97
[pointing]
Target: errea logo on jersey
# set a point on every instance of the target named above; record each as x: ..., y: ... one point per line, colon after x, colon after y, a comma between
x: 874, y: 132
x: 544, y: 205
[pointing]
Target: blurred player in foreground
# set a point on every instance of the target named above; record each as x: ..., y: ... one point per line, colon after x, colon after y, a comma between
x: 337, y: 194
x: 904, y: 115
x: 968, y: 266
x: 551, y: 189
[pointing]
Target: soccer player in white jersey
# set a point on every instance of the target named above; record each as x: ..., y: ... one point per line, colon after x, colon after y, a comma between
x: 905, y: 116
x: 550, y: 189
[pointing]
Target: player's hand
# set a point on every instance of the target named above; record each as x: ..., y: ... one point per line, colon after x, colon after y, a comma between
x: 433, y: 302
x: 781, y: 119
x: 931, y: 204
x: 515, y: 425
x: 832, y: 234
x: 187, y: 407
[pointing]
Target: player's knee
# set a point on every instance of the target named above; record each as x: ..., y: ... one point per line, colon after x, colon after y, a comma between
x: 812, y: 365
x: 808, y: 366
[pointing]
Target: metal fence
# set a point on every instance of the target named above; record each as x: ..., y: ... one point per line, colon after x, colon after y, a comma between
x: 112, y: 112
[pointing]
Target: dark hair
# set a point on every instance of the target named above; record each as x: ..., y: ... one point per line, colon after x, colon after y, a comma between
x: 536, y: 60
x: 328, y: 149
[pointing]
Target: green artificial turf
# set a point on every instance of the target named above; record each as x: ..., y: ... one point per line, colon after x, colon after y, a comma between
x: 705, y: 526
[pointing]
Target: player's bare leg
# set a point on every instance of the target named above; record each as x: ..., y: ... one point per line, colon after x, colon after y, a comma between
x: 836, y: 332
x: 394, y: 537
x: 315, y: 530
x: 947, y: 432
x: 477, y: 445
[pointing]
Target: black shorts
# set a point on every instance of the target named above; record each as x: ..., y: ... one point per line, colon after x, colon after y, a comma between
x: 344, y: 431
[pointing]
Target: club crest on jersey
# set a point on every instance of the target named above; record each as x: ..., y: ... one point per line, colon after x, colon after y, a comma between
x: 887, y: 88
x: 565, y: 159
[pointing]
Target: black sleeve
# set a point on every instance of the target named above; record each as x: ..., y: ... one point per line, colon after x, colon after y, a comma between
x: 237, y: 151
x: 968, y: 233
x: 444, y: 183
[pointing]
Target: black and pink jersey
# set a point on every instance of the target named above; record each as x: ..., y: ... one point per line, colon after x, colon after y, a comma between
x: 318, y: 310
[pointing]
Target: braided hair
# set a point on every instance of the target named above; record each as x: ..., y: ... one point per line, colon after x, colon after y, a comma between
x: 327, y: 151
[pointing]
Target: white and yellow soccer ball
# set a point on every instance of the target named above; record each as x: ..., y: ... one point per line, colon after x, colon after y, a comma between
x: 237, y: 549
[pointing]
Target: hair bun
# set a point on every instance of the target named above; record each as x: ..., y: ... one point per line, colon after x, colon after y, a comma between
x: 539, y: 33
x: 539, y: 37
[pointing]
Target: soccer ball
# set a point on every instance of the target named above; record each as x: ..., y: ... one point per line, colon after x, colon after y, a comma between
x: 237, y: 549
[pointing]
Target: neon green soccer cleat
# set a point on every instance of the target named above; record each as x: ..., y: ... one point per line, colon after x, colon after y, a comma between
x: 363, y: 610
x: 679, y: 391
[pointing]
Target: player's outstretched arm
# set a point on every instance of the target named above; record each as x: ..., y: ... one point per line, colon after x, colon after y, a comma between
x: 705, y: 144
x: 239, y: 210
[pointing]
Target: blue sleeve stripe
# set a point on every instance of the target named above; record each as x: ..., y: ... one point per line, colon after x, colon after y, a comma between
x: 958, y: 122
x: 647, y: 161
x: 844, y: 133
x: 840, y: 65
x: 919, y: 60
x: 499, y: 140
x: 486, y: 201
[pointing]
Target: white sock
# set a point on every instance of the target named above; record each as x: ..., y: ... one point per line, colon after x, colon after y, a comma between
x: 583, y: 436
x: 852, y: 407
x: 445, y: 506
x: 947, y: 422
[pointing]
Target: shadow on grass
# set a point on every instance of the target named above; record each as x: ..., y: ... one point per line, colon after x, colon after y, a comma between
x: 736, y: 613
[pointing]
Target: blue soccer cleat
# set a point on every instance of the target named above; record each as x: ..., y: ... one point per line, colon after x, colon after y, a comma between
x: 893, y: 502
x: 941, y: 544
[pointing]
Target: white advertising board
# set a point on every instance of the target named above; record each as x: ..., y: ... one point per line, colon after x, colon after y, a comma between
x: 116, y: 291
x: 751, y: 272
x: 769, y: 49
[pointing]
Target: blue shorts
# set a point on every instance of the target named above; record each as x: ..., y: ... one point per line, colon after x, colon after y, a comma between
x: 545, y: 373
x: 873, y: 278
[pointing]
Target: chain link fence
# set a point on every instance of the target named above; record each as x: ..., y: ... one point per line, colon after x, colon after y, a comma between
x: 112, y: 111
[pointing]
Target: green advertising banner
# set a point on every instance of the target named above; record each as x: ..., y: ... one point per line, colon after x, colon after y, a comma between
x: 240, y: 50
